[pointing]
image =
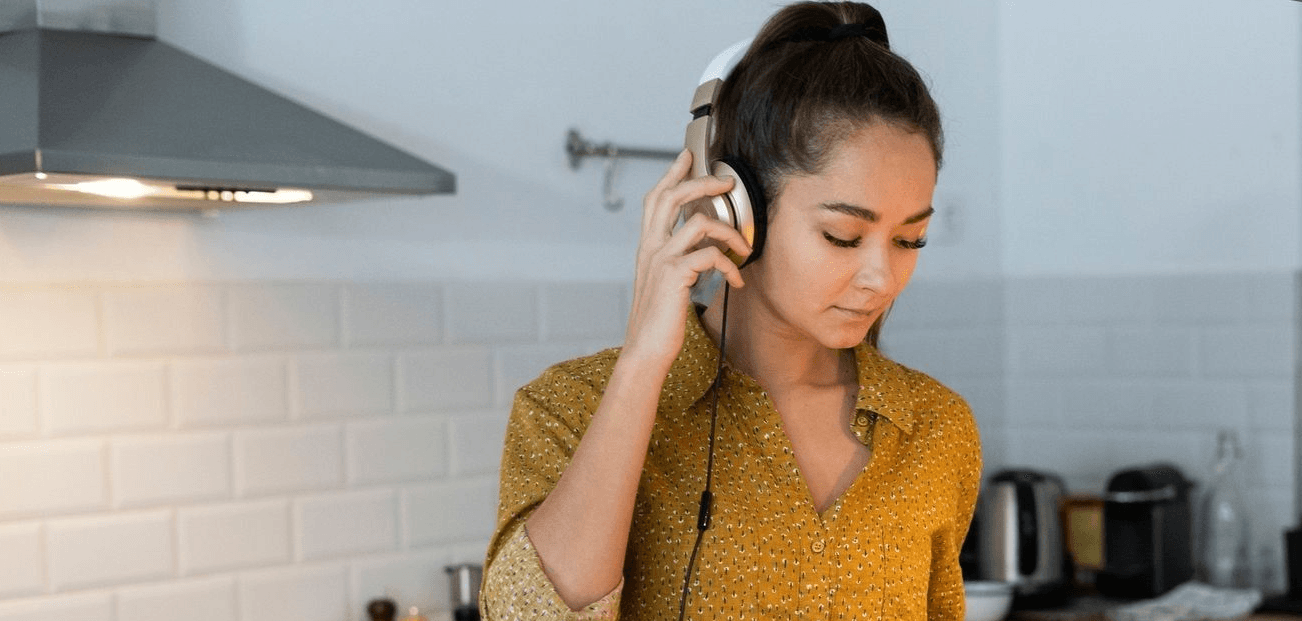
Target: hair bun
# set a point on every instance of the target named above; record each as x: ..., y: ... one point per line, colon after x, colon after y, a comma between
x: 873, y: 32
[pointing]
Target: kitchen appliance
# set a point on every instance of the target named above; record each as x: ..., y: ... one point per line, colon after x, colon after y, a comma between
x: 1291, y: 600
x: 1147, y: 532
x: 99, y: 113
x: 1020, y: 537
x: 464, y: 580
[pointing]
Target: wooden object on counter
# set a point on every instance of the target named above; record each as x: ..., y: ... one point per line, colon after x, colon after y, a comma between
x: 1082, y: 519
x: 1082, y: 537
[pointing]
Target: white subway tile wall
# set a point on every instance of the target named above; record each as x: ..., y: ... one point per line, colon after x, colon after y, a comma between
x: 98, y: 550
x: 1112, y: 372
x: 51, y: 477
x: 17, y: 401
x: 352, y: 384
x: 161, y: 319
x: 95, y: 397
x: 170, y: 469
x: 94, y: 606
x: 290, y: 450
x: 340, y: 524
x: 229, y: 391
x: 233, y: 535
x: 262, y: 450
x: 49, y: 322
x: 298, y: 592
x: 955, y: 332
x: 22, y: 566
x: 208, y: 599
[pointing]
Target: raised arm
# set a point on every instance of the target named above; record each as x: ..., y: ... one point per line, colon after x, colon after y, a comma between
x: 580, y: 526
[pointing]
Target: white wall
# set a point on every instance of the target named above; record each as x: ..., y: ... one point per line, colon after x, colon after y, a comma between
x: 1143, y: 137
x: 256, y: 451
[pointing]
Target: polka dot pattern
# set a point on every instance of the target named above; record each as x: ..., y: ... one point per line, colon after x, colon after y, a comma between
x: 886, y: 549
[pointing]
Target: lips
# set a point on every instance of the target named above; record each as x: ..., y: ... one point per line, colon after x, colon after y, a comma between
x: 858, y: 313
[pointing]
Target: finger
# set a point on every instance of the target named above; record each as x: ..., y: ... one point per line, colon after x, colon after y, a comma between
x: 671, y: 202
x: 701, y: 228
x: 677, y: 170
x: 705, y: 259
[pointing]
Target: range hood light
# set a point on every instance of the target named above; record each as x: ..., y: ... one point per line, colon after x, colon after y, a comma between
x: 279, y: 197
x: 145, y: 193
x: 126, y: 189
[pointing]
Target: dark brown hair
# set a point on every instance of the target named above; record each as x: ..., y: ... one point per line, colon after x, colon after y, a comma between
x: 794, y: 96
x: 803, y: 87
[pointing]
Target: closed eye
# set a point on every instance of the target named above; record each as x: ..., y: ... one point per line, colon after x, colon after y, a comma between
x: 907, y: 244
x: 842, y: 243
x: 912, y: 244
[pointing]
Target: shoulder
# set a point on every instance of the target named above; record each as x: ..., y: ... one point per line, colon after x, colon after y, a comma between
x: 943, y: 427
x: 575, y: 381
x: 931, y: 393
x: 929, y: 402
x: 905, y: 385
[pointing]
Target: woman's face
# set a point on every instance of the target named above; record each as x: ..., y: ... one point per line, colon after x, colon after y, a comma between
x: 841, y: 244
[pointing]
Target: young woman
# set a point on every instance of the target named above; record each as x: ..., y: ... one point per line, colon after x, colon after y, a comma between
x: 843, y: 483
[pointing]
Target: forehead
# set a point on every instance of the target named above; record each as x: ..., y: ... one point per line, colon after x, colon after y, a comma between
x: 880, y: 167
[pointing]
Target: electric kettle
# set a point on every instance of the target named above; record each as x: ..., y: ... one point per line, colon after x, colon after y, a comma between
x: 1020, y: 538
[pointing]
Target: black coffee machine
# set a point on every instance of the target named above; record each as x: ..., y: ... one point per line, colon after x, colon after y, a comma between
x: 1147, y: 532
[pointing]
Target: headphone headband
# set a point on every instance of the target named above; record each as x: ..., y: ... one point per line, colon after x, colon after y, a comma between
x: 725, y: 61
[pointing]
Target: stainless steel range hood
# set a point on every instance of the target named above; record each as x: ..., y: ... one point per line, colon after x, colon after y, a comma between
x: 95, y: 112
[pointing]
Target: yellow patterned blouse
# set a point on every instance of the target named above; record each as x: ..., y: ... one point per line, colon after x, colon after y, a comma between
x: 886, y: 549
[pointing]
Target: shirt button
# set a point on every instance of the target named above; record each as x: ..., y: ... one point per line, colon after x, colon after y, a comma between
x: 861, y: 419
x: 817, y: 546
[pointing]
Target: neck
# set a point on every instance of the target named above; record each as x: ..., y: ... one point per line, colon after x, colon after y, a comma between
x: 772, y: 352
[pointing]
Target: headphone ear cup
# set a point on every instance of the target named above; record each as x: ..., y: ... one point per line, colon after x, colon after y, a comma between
x: 750, y: 208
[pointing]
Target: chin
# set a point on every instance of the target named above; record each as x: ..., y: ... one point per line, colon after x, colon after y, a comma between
x: 842, y: 334
x: 844, y: 339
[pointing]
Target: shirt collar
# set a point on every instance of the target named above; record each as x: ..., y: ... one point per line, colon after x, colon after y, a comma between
x: 884, y: 386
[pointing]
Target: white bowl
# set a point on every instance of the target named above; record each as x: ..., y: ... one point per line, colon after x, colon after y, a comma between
x: 987, y: 600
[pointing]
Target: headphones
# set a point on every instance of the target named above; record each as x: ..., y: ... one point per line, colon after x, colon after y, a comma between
x: 743, y: 207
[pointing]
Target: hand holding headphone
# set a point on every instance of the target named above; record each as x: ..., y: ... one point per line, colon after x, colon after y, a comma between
x: 743, y: 207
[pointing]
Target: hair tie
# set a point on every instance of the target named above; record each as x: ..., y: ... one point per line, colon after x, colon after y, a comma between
x: 873, y: 32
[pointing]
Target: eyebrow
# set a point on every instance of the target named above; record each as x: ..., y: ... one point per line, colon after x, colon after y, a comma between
x: 871, y: 216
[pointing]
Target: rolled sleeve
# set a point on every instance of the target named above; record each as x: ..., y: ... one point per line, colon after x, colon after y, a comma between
x: 517, y: 587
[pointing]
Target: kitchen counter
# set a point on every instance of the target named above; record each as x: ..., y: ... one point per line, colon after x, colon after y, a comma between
x: 1094, y: 607
x: 1064, y: 615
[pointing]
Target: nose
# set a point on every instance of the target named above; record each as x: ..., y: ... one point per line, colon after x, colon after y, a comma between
x: 874, y: 273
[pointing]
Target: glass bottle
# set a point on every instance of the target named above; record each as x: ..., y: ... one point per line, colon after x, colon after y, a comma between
x: 1223, y: 542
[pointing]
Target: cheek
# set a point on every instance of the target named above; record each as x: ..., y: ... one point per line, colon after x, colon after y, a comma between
x: 816, y: 266
x: 903, y: 269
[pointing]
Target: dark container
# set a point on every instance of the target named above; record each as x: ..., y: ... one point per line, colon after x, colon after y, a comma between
x: 1147, y: 532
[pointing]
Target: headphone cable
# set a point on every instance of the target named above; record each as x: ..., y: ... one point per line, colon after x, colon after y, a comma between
x: 707, y: 498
